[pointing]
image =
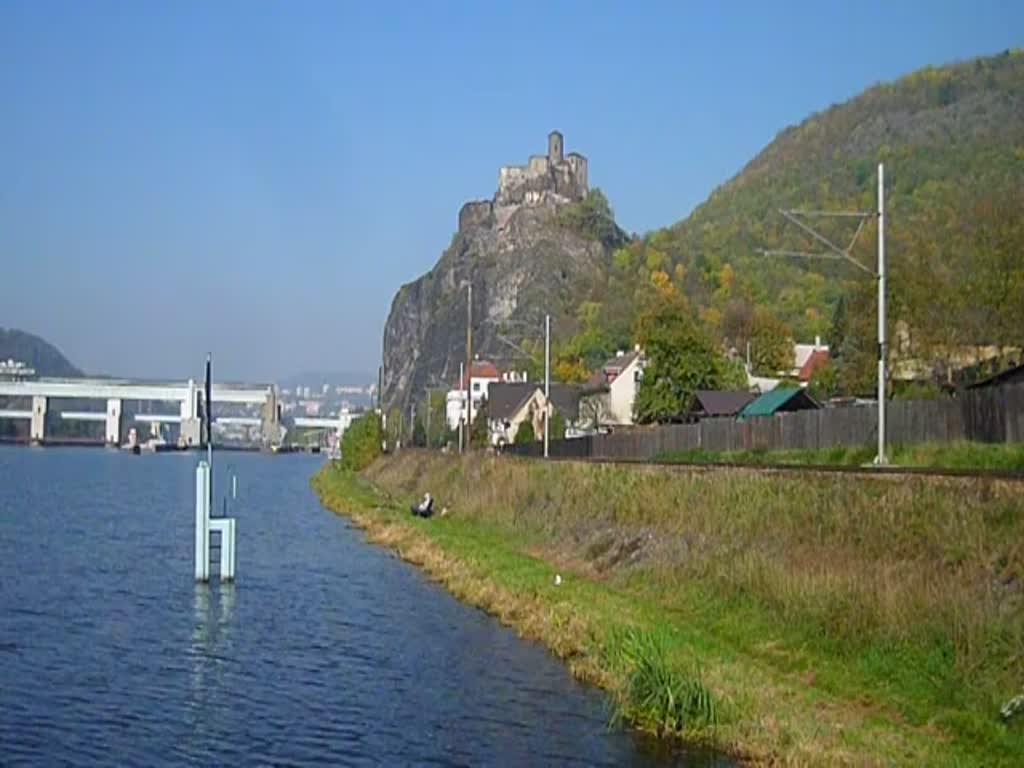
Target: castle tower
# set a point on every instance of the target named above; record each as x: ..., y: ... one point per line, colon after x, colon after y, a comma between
x: 554, y: 147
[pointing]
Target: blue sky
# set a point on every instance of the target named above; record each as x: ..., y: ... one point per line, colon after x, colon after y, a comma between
x: 259, y: 178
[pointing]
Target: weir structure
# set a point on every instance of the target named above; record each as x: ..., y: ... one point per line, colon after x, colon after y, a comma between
x: 189, y: 397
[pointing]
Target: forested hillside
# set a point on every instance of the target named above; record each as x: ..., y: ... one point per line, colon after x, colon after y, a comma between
x: 952, y: 140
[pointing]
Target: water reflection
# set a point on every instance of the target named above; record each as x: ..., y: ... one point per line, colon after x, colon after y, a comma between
x: 210, y: 659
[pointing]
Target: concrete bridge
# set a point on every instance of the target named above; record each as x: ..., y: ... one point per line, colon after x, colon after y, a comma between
x: 187, y: 394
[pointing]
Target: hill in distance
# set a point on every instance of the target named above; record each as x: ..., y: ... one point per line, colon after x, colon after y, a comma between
x: 36, y: 353
x: 952, y: 141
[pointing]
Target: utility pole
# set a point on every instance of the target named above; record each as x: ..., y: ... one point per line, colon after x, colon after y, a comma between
x: 834, y: 252
x: 469, y: 348
x: 882, y: 339
x: 547, y: 382
x: 380, y: 387
x: 462, y: 383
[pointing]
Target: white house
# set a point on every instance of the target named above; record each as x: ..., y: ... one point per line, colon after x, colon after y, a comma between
x: 511, y: 404
x: 806, y: 357
x: 481, y: 375
x: 614, y: 386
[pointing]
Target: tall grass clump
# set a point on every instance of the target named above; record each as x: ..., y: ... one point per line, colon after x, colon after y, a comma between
x: 656, y: 693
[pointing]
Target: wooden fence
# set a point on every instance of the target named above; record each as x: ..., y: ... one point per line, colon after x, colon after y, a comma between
x: 994, y: 415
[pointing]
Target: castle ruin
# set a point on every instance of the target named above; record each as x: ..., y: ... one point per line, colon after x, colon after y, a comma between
x: 553, y: 178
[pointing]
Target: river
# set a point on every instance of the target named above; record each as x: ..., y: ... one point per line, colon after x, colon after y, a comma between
x: 326, y: 651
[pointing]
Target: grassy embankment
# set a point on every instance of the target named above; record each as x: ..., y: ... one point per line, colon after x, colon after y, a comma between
x: 806, y: 620
x: 953, y: 455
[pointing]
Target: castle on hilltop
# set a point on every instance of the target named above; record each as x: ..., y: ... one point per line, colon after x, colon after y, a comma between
x: 557, y: 174
x: 551, y: 178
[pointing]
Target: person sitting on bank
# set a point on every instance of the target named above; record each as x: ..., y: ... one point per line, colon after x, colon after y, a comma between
x: 425, y: 508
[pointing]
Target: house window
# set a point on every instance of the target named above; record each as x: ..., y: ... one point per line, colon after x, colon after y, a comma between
x: 476, y: 386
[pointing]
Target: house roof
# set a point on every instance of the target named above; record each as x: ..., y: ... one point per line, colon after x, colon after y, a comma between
x: 611, y: 368
x: 505, y: 398
x: 801, y: 353
x: 817, y: 358
x: 619, y: 363
x: 721, y: 403
x: 480, y: 369
x: 784, y: 399
x: 1009, y: 376
x: 565, y: 399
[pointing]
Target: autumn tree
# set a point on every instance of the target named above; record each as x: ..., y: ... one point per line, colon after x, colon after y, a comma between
x: 771, y: 344
x: 681, y: 358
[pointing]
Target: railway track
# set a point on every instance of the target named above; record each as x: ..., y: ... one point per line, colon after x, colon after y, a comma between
x: 811, y: 469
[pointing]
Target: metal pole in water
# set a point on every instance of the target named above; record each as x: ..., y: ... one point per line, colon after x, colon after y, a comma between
x: 225, y: 526
x: 202, y: 541
x: 208, y: 394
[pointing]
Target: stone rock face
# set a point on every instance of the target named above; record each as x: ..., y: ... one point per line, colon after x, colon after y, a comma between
x: 522, y: 263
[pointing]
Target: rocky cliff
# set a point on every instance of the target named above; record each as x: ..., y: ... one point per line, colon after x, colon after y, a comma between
x: 523, y: 256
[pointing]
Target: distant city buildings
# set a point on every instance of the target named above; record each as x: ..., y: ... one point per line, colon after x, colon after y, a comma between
x: 15, y: 370
x: 324, y: 399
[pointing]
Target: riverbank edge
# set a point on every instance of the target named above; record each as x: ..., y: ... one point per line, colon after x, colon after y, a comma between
x: 760, y: 708
x: 536, y: 613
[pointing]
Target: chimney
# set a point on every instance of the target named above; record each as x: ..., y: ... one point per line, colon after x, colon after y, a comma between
x: 619, y: 353
x: 817, y: 342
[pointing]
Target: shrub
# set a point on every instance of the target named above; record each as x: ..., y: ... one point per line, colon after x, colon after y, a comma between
x: 525, y: 433
x: 361, y: 443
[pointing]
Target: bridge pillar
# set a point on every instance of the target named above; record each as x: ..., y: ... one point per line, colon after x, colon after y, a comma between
x: 191, y: 424
x: 113, y: 431
x: 38, y: 430
x: 270, y: 418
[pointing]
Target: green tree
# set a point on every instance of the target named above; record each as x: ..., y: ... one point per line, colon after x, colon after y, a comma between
x: 593, y: 217
x: 436, y: 425
x: 734, y: 375
x: 680, y: 359
x: 557, y: 429
x: 419, y: 434
x: 824, y: 381
x: 478, y: 430
x: 525, y: 433
x: 771, y: 344
x: 361, y: 443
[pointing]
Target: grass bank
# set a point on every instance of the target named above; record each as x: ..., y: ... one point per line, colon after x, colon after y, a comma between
x: 802, y: 620
x: 952, y: 455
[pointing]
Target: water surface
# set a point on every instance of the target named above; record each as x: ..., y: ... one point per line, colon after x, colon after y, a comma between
x: 326, y: 651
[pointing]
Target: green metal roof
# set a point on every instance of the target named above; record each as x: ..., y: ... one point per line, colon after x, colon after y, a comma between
x: 768, y: 403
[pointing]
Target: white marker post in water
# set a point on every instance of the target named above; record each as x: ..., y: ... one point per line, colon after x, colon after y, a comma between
x: 205, y: 525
